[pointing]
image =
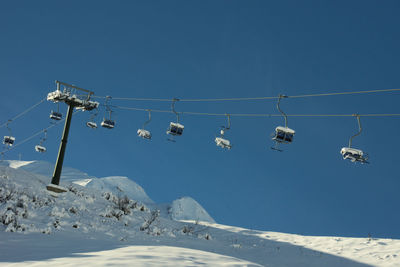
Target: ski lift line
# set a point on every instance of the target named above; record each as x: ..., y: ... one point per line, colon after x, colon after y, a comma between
x: 260, y: 115
x: 24, y: 112
x: 252, y: 98
x: 35, y: 134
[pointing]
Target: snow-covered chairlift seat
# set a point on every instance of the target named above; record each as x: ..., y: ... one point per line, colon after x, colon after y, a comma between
x: 144, y: 133
x: 91, y: 124
x: 40, y: 148
x: 175, y: 128
x: 353, y: 154
x: 283, y: 134
x: 224, y: 143
x: 55, y: 116
x: 108, y: 124
x: 9, y: 140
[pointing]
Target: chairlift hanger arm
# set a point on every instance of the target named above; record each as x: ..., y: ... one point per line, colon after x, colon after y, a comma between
x: 283, y: 113
x: 359, y: 129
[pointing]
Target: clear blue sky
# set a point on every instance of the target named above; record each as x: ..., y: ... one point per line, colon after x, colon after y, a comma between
x: 218, y: 49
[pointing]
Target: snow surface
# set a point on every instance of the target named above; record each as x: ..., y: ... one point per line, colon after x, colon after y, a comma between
x: 90, y: 227
x: 186, y: 208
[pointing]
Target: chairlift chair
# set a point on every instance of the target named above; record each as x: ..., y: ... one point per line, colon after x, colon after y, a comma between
x: 109, y: 124
x: 283, y: 135
x: 40, y: 149
x: 224, y: 143
x: 9, y: 140
x: 144, y: 134
x: 175, y: 128
x: 354, y: 155
x: 55, y: 115
x: 91, y: 124
x: 221, y: 141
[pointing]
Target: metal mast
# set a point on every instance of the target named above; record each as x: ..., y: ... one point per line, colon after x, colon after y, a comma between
x: 73, y: 100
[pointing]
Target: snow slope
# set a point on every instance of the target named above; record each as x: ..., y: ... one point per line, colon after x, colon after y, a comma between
x: 89, y: 227
x: 118, y: 185
x: 186, y: 208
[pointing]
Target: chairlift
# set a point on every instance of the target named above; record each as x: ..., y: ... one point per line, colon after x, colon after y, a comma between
x: 221, y: 141
x: 55, y: 115
x: 282, y: 134
x: 9, y: 140
x: 224, y: 143
x: 353, y: 154
x: 175, y: 128
x: 143, y: 132
x: 40, y: 148
x: 91, y: 124
x: 109, y: 124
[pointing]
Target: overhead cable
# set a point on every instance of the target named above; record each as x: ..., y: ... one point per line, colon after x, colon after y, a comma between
x: 23, y: 113
x: 260, y: 115
x: 34, y: 135
x: 251, y: 98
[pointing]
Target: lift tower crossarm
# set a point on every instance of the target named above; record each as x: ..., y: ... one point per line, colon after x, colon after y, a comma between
x: 73, y: 101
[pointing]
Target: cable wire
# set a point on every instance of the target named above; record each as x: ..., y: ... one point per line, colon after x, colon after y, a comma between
x: 260, y: 115
x: 34, y: 135
x: 23, y: 113
x: 252, y: 98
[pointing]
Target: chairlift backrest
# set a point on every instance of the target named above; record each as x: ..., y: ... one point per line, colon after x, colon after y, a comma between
x: 91, y: 124
x: 175, y: 128
x: 108, y: 124
x: 144, y: 133
x: 40, y: 148
x: 9, y: 140
x: 224, y: 143
x: 283, y: 134
x: 55, y: 115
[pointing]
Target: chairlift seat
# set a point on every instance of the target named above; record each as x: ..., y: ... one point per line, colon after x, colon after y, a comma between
x: 144, y: 134
x: 9, y: 140
x: 224, y: 143
x: 108, y: 124
x: 283, y: 134
x: 55, y: 116
x: 175, y: 128
x: 353, y: 154
x: 91, y: 124
x: 40, y: 148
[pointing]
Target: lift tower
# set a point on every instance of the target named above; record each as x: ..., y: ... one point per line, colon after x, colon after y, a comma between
x: 73, y: 100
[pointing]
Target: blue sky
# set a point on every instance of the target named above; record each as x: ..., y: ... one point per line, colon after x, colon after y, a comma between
x: 219, y: 49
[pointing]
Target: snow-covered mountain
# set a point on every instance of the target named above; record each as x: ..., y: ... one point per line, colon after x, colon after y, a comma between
x: 92, y: 225
x: 186, y: 208
x: 120, y: 186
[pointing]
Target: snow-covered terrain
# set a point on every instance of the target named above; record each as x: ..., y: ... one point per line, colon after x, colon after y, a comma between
x: 112, y: 221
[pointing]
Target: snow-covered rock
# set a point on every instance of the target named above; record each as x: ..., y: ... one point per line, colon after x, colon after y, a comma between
x: 186, y: 208
x: 118, y: 185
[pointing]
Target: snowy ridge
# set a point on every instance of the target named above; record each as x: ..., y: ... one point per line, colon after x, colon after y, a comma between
x: 186, y: 208
x: 118, y: 185
x: 116, y: 230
